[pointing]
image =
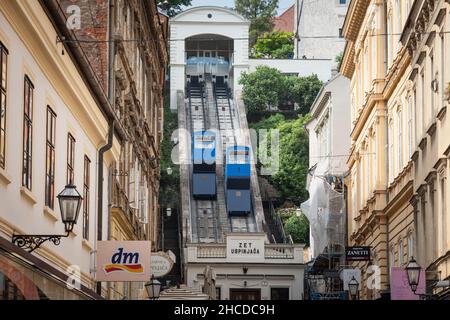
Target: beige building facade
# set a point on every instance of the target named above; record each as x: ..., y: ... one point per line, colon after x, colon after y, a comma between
x: 51, y: 130
x: 398, y: 129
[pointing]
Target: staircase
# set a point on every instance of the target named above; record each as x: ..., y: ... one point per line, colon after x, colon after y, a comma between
x: 171, y: 242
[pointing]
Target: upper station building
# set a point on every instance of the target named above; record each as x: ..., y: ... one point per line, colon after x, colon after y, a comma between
x: 191, y: 33
x: 215, y: 40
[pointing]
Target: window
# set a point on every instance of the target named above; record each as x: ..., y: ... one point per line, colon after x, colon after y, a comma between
x: 354, y: 203
x: 279, y: 293
x: 422, y: 106
x: 3, y: 74
x: 367, y: 169
x: 70, y: 159
x: 342, y: 1
x: 389, y: 40
x: 50, y: 159
x: 391, y: 150
x: 374, y: 162
x: 410, y: 126
x: 398, y: 9
x: 27, y: 134
x: 432, y: 93
x: 218, y: 293
x: 86, y: 187
x: 361, y: 183
x: 442, y: 67
x: 443, y: 216
x: 391, y: 259
x: 400, y: 140
x: 400, y: 253
x: 423, y: 217
x: 410, y: 245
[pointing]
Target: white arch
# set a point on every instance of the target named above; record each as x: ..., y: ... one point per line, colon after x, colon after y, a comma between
x: 192, y: 11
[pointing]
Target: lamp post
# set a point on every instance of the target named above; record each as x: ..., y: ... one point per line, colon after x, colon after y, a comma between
x: 69, y: 203
x: 353, y: 288
x: 413, y: 271
x: 153, y: 288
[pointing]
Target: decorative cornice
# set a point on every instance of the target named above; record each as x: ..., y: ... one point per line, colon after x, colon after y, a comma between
x: 431, y: 177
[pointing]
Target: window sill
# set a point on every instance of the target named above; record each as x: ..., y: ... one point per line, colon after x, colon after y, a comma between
x: 87, y: 245
x: 4, y: 177
x: 28, y: 195
x: 50, y: 213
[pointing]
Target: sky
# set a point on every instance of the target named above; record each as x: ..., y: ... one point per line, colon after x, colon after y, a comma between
x: 282, y: 5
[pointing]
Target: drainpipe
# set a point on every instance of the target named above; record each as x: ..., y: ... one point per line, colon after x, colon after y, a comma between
x: 109, y: 144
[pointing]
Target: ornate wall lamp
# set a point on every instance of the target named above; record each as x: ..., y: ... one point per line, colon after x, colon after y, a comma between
x: 69, y: 203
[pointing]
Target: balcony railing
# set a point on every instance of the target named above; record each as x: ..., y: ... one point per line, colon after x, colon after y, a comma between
x: 272, y: 251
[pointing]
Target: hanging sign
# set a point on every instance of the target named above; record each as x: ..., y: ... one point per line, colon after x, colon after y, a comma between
x: 357, y: 253
x: 162, y: 264
x: 123, y: 261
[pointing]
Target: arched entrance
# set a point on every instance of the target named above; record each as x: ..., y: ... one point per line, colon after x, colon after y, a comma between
x: 15, y: 285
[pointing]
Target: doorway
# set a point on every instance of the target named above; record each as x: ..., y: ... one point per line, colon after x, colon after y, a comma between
x: 245, y: 294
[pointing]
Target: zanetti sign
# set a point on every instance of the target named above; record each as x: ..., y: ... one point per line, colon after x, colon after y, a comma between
x: 123, y: 261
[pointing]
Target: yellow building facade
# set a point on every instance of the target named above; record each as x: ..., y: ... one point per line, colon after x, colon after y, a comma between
x: 397, y: 139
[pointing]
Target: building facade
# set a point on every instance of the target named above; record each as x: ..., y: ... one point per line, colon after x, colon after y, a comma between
x: 329, y: 131
x: 131, y: 71
x: 315, y: 39
x: 426, y: 39
x: 91, y: 86
x: 52, y: 126
x: 397, y: 93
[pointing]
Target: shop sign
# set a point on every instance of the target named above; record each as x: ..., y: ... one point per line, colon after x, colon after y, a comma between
x: 245, y: 249
x: 400, y: 288
x: 123, y: 261
x: 357, y: 253
x: 162, y: 264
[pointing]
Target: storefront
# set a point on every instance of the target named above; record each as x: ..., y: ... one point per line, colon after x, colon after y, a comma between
x: 24, y: 276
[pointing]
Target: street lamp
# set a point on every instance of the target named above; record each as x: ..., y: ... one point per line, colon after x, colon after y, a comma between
x: 69, y: 203
x: 168, y: 212
x: 353, y: 287
x: 298, y: 212
x: 413, y: 271
x: 153, y: 288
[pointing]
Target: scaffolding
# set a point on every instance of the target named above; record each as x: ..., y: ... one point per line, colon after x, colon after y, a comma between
x: 325, y: 211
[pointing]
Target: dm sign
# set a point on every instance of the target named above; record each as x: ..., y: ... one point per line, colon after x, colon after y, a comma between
x: 123, y: 261
x: 357, y: 253
x: 162, y: 264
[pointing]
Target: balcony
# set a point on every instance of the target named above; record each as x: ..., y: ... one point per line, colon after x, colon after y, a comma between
x: 217, y: 252
x: 122, y: 211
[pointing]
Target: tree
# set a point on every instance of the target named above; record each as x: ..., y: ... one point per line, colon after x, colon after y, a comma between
x: 260, y: 13
x: 290, y: 180
x: 173, y: 7
x: 338, y: 59
x: 274, y: 45
x: 267, y: 87
x: 304, y: 90
x: 261, y: 88
x: 298, y: 228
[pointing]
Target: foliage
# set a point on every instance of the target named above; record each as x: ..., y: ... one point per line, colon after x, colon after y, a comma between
x: 304, y: 90
x: 261, y: 88
x: 338, y: 59
x: 173, y: 7
x: 298, y: 228
x: 260, y: 13
x: 169, y: 183
x: 290, y: 180
x: 268, y: 123
x: 274, y: 45
x: 266, y: 87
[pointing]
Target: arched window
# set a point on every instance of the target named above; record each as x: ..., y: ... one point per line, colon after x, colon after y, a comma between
x: 410, y: 245
x: 400, y: 253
